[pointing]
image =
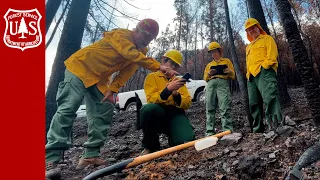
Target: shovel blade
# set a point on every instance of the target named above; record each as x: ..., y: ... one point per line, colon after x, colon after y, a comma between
x: 205, y: 143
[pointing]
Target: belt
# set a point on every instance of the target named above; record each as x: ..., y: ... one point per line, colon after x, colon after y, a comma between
x: 217, y: 78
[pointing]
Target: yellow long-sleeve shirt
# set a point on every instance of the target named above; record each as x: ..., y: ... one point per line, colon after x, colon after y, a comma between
x: 221, y: 61
x: 116, y: 51
x: 155, y: 83
x: 261, y: 52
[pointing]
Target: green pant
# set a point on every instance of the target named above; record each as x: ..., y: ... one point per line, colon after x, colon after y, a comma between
x: 172, y: 121
x: 263, y: 89
x: 70, y: 95
x: 218, y: 92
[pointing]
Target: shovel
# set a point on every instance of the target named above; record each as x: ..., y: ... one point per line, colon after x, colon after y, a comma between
x: 145, y: 158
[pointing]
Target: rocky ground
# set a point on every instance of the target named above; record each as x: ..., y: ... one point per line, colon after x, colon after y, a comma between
x: 253, y: 156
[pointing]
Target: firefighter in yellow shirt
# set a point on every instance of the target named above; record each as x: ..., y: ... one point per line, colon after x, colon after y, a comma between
x: 217, y: 73
x: 87, y: 78
x: 262, y: 64
x: 167, y: 98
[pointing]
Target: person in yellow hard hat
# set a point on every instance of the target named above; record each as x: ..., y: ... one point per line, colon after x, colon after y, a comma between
x: 87, y: 78
x: 217, y: 73
x: 262, y: 64
x: 167, y: 98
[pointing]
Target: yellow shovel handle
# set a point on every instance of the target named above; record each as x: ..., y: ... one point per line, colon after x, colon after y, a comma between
x: 151, y: 156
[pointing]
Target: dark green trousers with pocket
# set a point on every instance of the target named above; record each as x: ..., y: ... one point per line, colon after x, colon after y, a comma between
x: 169, y: 120
x: 218, y: 93
x: 70, y: 96
x: 263, y: 89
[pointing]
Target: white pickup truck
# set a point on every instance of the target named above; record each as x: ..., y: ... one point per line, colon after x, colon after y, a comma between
x: 126, y: 100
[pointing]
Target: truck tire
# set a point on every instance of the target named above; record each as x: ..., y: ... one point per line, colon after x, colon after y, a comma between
x: 200, y: 96
x: 131, y: 106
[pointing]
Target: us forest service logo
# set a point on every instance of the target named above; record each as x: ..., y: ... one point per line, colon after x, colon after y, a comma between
x: 22, y: 29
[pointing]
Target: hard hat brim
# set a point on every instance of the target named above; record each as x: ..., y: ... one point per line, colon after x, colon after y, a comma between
x: 172, y: 60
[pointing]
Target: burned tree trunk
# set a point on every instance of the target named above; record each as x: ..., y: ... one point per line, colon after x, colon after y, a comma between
x: 300, y: 56
x: 240, y: 77
x: 256, y: 11
x: 69, y: 43
x: 52, y: 7
x: 211, y: 19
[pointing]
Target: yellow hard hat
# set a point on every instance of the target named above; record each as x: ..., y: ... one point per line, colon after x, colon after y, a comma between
x: 174, y: 55
x: 251, y: 22
x: 213, y: 45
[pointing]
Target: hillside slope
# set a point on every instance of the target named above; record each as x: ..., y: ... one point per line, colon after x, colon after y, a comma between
x: 254, y: 156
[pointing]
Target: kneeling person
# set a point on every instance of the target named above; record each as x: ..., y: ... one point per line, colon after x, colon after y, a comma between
x: 167, y: 98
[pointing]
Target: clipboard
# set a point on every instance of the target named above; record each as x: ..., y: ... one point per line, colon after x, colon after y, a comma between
x: 219, y: 69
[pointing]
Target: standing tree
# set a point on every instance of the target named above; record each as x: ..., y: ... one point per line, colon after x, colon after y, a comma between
x: 22, y: 28
x: 57, y: 24
x: 195, y: 50
x: 235, y: 60
x: 256, y: 11
x: 179, y: 6
x: 69, y: 43
x: 307, y: 41
x: 186, y: 28
x: 285, y: 98
x: 215, y: 21
x: 300, y: 56
x: 317, y: 4
x: 52, y: 7
x: 269, y: 9
x: 211, y: 19
x: 164, y: 42
x: 186, y: 15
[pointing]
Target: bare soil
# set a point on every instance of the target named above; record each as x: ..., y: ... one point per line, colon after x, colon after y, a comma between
x: 254, y: 156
